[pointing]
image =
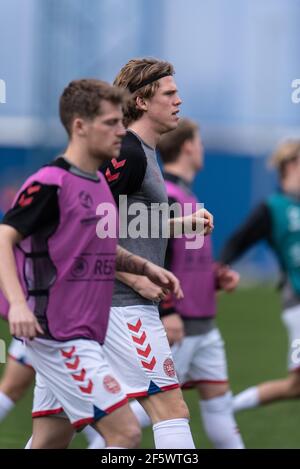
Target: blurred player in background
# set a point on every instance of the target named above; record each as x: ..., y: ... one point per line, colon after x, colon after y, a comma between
x: 51, y: 255
x: 136, y: 342
x: 18, y: 375
x: 198, y: 348
x: 277, y: 221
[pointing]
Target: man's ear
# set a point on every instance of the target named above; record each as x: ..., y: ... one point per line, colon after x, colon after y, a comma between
x: 141, y: 103
x: 187, y: 147
x: 78, y: 126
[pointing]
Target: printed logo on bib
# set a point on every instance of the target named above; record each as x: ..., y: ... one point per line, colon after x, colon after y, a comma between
x: 111, y: 384
x: 87, y: 203
x: 93, y: 267
x: 85, y: 199
x: 169, y: 368
x: 80, y: 268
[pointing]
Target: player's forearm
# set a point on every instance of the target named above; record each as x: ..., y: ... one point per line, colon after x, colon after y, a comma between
x: 257, y: 227
x: 127, y: 278
x: 231, y: 252
x: 128, y: 262
x: 9, y: 280
x: 236, y: 246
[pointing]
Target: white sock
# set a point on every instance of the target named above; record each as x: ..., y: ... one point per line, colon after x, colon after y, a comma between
x: 90, y: 433
x: 141, y: 415
x: 246, y: 399
x: 219, y: 423
x: 95, y: 440
x: 173, y: 434
x: 28, y: 444
x: 6, y: 404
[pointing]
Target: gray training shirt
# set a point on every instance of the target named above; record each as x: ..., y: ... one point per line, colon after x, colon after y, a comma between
x: 137, y: 175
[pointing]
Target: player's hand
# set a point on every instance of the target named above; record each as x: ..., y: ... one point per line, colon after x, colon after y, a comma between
x: 201, y: 222
x: 22, y: 322
x: 144, y: 287
x: 174, y: 328
x: 163, y: 278
x: 208, y: 220
x: 227, y: 278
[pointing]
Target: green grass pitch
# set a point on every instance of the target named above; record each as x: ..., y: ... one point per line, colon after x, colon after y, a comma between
x: 256, y: 349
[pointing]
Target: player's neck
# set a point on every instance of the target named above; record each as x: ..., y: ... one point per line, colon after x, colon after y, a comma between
x: 81, y: 160
x: 145, y: 132
x: 177, y: 169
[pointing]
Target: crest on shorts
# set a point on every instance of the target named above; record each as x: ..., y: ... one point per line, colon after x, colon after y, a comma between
x: 111, y: 384
x: 169, y: 368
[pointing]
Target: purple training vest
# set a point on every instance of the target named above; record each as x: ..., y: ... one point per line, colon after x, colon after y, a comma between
x: 68, y: 277
x: 193, y: 267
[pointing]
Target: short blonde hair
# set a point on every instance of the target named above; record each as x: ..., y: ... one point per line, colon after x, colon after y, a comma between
x: 287, y: 151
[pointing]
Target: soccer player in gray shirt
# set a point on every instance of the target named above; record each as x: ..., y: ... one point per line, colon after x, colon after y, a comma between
x: 136, y: 342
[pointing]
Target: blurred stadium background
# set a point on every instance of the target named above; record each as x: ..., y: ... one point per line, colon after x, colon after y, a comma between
x: 235, y: 62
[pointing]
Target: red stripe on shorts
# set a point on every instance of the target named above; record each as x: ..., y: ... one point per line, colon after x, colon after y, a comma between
x: 44, y: 413
x: 137, y: 394
x: 170, y: 387
x: 110, y: 409
x: 83, y: 422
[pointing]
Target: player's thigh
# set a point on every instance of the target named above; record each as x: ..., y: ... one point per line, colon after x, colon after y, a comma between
x: 294, y: 381
x: 16, y: 379
x: 165, y: 406
x: 120, y: 422
x: 210, y: 390
x: 51, y: 433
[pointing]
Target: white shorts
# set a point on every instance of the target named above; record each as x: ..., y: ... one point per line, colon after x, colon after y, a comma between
x: 73, y: 379
x: 137, y: 348
x: 291, y: 320
x: 18, y: 352
x: 201, y: 359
